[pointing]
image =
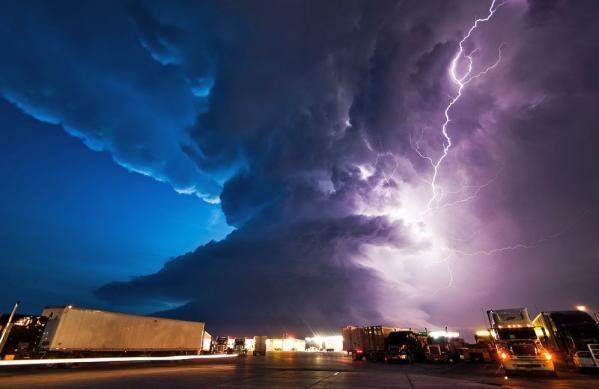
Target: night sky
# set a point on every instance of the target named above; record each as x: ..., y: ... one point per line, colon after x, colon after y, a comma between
x: 272, y: 166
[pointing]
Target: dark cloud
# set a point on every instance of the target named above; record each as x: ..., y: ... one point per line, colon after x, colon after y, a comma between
x: 275, y: 277
x: 313, y: 122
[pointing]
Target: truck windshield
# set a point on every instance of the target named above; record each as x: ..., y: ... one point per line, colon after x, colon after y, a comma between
x: 516, y: 333
x: 440, y: 340
x: 398, y: 337
x: 526, y: 348
x: 571, y: 317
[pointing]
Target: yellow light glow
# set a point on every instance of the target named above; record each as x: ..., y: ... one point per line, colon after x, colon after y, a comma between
x: 287, y: 344
x: 444, y: 334
x: 331, y: 342
x: 581, y: 308
x: 482, y: 333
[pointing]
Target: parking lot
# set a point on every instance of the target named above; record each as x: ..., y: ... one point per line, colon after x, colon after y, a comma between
x: 278, y: 370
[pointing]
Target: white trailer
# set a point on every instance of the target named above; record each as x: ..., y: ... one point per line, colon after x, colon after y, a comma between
x: 259, y: 345
x: 207, y: 343
x: 81, y: 331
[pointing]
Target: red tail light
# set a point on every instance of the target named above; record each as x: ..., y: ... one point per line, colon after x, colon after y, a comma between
x: 359, y: 351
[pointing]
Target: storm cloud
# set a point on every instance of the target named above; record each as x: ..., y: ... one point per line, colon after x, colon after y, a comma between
x: 311, y: 122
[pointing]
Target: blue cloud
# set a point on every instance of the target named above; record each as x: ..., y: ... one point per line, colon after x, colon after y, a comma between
x: 89, y: 73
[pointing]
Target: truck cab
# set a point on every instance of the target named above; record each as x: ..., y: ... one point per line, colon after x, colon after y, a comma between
x: 221, y: 346
x: 516, y: 342
x: 239, y: 346
x: 573, y: 336
x: 440, y: 346
x: 260, y: 345
x: 402, y: 346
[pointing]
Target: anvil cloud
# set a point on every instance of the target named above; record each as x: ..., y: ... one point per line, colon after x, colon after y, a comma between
x: 305, y: 119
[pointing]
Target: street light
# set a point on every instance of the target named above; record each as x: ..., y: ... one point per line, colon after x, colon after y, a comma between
x: 581, y: 308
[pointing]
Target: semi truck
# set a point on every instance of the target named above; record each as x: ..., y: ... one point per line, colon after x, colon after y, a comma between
x: 516, y: 342
x: 443, y: 346
x: 259, y: 345
x: 403, y: 346
x: 381, y: 343
x: 22, y: 335
x: 572, y: 336
x: 239, y: 346
x: 221, y: 345
x: 483, y: 349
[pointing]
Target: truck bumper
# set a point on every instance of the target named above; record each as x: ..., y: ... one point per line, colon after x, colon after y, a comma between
x: 398, y: 358
x: 585, y: 363
x: 529, y: 365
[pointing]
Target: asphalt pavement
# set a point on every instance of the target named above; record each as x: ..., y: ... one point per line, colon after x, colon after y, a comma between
x: 283, y: 370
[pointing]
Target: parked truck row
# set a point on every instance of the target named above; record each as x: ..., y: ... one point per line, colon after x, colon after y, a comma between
x: 552, y: 338
x: 240, y: 346
x: 72, y: 332
x: 390, y: 344
x: 514, y: 340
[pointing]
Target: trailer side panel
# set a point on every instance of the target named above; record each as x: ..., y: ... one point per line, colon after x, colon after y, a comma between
x: 95, y: 330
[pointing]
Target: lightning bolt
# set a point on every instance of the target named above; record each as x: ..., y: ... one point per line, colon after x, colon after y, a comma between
x: 527, y: 245
x: 460, y: 81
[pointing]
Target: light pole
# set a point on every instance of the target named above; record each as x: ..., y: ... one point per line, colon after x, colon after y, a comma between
x: 6, y: 329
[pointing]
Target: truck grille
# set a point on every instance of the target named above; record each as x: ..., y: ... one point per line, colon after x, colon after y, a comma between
x: 529, y: 365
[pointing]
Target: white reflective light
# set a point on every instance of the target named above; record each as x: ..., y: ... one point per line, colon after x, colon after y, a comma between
x: 444, y: 334
x: 55, y: 361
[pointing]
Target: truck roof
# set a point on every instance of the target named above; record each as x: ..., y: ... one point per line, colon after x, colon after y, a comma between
x: 513, y: 316
x: 72, y: 307
x: 570, y: 317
